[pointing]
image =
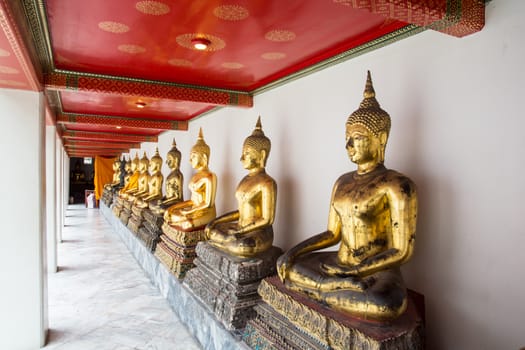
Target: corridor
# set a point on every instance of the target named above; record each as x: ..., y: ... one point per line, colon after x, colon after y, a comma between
x: 100, y: 298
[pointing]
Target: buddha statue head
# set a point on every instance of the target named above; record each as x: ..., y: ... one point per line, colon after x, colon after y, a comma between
x: 143, y: 163
x: 135, y: 163
x: 256, y: 148
x: 173, y: 157
x: 127, y: 166
x: 200, y: 153
x: 155, y: 162
x: 367, y: 130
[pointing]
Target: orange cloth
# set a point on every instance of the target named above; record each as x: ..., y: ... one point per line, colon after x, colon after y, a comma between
x: 133, y: 182
x: 103, y: 174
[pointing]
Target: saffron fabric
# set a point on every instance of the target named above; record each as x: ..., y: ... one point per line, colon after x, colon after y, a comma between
x: 103, y: 174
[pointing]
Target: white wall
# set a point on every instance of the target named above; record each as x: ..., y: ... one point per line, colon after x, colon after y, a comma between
x: 457, y: 131
x: 23, y: 292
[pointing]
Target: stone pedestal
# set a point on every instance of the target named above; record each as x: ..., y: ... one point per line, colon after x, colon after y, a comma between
x: 118, y: 205
x: 107, y: 196
x: 151, y: 229
x: 290, y: 320
x: 227, y: 284
x: 176, y: 249
x: 136, y: 219
x: 125, y: 214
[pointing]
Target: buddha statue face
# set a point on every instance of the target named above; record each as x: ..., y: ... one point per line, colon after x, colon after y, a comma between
x: 363, y: 146
x: 198, y: 160
x: 173, y: 161
x: 252, y: 158
x: 154, y: 165
x: 134, y: 164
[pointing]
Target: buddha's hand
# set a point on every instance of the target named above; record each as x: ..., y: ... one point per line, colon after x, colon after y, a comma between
x: 284, y: 262
x: 338, y: 270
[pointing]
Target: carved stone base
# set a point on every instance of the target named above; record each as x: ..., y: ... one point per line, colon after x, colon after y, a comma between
x: 134, y: 223
x: 125, y: 215
x: 290, y: 320
x: 227, y: 284
x: 118, y: 206
x: 176, y: 249
x: 150, y: 231
x: 137, y: 211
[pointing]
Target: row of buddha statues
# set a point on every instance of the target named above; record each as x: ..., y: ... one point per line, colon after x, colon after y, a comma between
x: 306, y: 293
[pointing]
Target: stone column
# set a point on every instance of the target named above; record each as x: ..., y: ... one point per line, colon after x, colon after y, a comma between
x: 23, y: 301
x: 51, y: 199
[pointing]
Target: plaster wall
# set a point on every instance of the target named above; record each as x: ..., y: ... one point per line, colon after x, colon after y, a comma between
x: 23, y: 292
x: 457, y: 131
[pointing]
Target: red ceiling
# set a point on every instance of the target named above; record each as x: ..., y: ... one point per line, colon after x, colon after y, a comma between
x: 100, y: 57
x: 295, y: 30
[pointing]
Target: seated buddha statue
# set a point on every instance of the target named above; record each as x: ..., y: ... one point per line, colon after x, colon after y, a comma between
x: 127, y: 171
x: 199, y: 210
x: 132, y: 185
x: 248, y: 231
x: 155, y: 180
x: 373, y: 216
x: 116, y: 175
x: 174, y: 183
x: 142, y: 188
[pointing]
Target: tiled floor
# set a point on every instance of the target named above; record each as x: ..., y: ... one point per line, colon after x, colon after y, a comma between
x: 100, y: 299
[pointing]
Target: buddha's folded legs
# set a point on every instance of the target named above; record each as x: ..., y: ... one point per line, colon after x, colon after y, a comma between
x: 245, y: 244
x: 381, y: 295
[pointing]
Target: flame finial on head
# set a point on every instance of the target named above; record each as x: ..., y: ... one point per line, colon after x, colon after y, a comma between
x: 369, y: 114
x: 201, y: 146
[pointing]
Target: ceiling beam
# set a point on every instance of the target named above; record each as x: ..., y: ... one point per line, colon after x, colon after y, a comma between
x: 115, y: 121
x: 94, y: 144
x: 107, y: 136
x: 90, y: 149
x: 458, y: 18
x: 66, y: 80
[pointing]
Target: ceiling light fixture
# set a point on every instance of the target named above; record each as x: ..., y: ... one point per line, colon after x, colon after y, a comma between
x: 200, y: 43
x: 118, y: 127
x: 140, y: 104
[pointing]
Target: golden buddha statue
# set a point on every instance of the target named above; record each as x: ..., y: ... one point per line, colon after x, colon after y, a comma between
x: 116, y: 175
x: 248, y: 231
x: 373, y: 216
x: 132, y: 186
x: 155, y: 180
x: 200, y: 209
x: 142, y: 187
x: 127, y: 171
x: 174, y: 182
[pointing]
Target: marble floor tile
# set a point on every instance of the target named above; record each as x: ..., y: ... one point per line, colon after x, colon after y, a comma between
x: 101, y: 299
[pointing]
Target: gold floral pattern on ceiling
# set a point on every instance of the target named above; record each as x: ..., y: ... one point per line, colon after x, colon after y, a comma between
x: 131, y: 48
x: 280, y: 35
x: 216, y: 43
x: 155, y: 8
x: 232, y: 65
x: 231, y: 12
x: 8, y: 70
x: 273, y: 56
x: 113, y: 27
x: 179, y: 62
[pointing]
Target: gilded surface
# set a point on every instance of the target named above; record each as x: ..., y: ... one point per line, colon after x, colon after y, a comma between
x: 155, y: 180
x: 142, y: 181
x: 199, y: 210
x: 373, y: 216
x: 174, y: 182
x: 248, y: 231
